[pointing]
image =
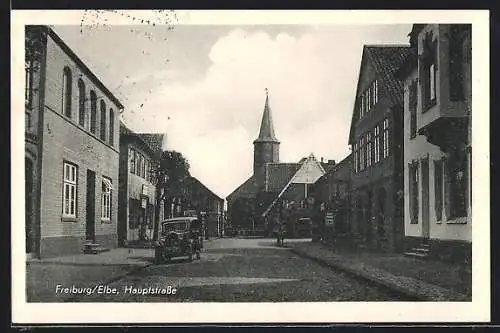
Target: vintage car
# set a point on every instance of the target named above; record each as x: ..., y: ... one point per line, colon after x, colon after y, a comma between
x: 179, y: 237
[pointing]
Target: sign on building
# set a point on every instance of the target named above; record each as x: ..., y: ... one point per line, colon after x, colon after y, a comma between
x: 329, y: 218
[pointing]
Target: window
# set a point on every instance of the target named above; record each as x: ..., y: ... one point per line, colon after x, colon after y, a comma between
x: 376, y: 150
x: 362, y: 153
x: 438, y: 189
x: 69, y: 190
x: 412, y: 107
x: 103, y: 121
x: 369, y: 149
x: 368, y: 98
x: 132, y: 161
x: 66, y: 98
x: 143, y: 166
x: 458, y: 35
x: 93, y: 111
x: 147, y: 170
x: 456, y: 186
x: 385, y: 139
x: 28, y: 93
x: 138, y: 168
x: 111, y: 127
x: 413, y: 187
x: 429, y: 71
x: 375, y: 93
x: 362, y: 98
x: 356, y: 158
x: 107, y: 186
x: 81, y: 103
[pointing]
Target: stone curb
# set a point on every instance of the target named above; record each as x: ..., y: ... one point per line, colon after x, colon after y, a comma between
x: 421, y: 291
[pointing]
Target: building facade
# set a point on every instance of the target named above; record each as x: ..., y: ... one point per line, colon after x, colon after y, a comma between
x: 332, y: 194
x: 139, y: 157
x: 437, y: 140
x: 72, y: 120
x: 377, y: 147
x: 208, y: 205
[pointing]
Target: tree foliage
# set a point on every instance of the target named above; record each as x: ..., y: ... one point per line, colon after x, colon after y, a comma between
x: 175, y: 167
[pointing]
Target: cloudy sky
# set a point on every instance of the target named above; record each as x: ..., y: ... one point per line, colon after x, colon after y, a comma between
x: 204, y: 87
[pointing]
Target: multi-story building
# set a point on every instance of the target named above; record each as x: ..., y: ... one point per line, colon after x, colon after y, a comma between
x: 437, y: 141
x: 332, y: 197
x: 71, y: 150
x: 139, y: 157
x: 377, y: 147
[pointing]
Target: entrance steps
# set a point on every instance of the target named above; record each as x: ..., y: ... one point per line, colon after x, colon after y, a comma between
x: 94, y: 248
x: 421, y: 251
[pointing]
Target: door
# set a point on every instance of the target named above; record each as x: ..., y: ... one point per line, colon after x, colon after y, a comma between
x: 425, y: 198
x: 90, y: 218
x: 28, y: 196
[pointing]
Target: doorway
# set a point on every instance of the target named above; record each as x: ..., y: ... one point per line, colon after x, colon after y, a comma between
x: 90, y: 218
x: 425, y: 199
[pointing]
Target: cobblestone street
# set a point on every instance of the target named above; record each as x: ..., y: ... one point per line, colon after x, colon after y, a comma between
x: 237, y: 270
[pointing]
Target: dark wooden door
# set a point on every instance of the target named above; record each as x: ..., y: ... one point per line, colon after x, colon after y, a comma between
x: 90, y: 218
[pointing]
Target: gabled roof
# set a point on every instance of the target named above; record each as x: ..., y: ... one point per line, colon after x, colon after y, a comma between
x: 55, y: 37
x: 196, y: 181
x: 248, y: 189
x: 266, y: 133
x: 386, y: 60
x: 310, y: 170
x: 153, y: 140
x: 308, y: 173
x: 336, y: 168
x: 278, y: 175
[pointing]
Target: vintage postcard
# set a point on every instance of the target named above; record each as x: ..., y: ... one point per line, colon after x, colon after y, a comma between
x: 250, y: 166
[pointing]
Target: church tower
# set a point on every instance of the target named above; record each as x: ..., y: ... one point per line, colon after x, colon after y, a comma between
x: 266, y: 147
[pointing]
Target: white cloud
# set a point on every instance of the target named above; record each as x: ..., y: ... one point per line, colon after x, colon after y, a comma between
x: 213, y: 121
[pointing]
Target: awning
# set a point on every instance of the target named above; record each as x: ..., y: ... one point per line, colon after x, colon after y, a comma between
x: 108, y: 183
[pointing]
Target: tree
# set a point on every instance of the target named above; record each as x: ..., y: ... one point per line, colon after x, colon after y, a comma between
x: 34, y: 41
x: 171, y: 175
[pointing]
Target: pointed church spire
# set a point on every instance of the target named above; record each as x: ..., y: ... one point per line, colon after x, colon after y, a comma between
x: 266, y: 133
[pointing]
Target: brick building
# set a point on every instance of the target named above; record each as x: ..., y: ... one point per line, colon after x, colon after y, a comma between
x: 376, y: 141
x: 437, y: 141
x: 139, y: 157
x: 72, y: 144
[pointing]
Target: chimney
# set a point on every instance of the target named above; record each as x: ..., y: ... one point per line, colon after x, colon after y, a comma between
x: 332, y: 162
x: 321, y: 159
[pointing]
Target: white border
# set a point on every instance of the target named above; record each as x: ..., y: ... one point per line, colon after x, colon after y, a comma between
x: 476, y: 311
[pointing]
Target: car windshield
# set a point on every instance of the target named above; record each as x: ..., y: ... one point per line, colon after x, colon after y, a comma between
x: 177, y: 226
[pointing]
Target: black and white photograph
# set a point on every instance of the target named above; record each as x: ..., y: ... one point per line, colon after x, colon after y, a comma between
x: 234, y: 166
